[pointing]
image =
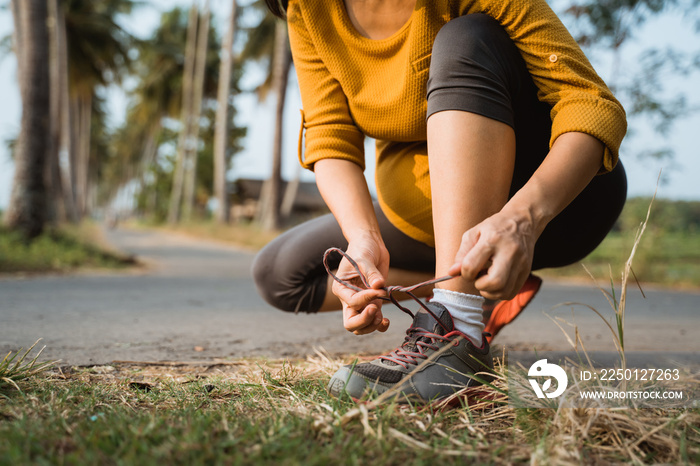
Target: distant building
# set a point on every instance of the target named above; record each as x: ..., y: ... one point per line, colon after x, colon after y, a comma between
x: 245, y: 193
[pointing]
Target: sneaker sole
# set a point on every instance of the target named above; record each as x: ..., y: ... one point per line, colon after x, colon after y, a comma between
x: 357, y: 388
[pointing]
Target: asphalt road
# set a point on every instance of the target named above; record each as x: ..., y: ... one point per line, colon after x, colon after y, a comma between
x: 195, y: 300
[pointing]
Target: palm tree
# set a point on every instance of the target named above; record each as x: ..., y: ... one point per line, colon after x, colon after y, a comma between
x: 159, y: 73
x: 27, y: 209
x: 185, y: 119
x: 97, y: 52
x: 195, y: 116
x: 156, y: 103
x: 222, y: 119
x: 60, y: 206
x: 268, y: 42
x: 201, y: 52
x: 282, y: 60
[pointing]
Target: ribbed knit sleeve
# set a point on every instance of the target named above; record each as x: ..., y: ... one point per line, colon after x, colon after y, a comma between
x: 330, y: 130
x: 564, y: 77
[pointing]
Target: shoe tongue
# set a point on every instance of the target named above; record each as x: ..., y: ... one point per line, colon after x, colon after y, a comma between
x: 426, y: 321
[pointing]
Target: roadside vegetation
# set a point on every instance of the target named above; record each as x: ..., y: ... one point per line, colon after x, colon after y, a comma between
x: 668, y: 254
x: 665, y: 258
x: 247, y: 235
x: 278, y: 412
x: 256, y: 411
x: 253, y: 411
x: 59, y: 249
x: 13, y: 367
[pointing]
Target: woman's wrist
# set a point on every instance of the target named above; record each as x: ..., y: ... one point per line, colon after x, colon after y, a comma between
x: 568, y: 168
x: 356, y: 234
x: 529, y: 210
x: 344, y: 188
x: 525, y: 220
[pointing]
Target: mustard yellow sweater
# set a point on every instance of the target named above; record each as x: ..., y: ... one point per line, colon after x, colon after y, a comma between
x: 352, y: 86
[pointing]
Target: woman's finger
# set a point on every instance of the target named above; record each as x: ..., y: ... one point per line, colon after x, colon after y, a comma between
x: 469, y: 239
x: 357, y: 300
x: 356, y: 321
x: 499, y: 271
x: 372, y: 274
x: 381, y: 327
x: 364, y: 321
x: 504, y: 277
x: 476, y: 260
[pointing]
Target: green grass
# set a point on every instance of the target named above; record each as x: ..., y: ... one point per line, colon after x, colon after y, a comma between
x: 56, y: 250
x: 272, y: 417
x: 664, y: 258
x: 13, y: 367
x: 278, y: 412
x: 668, y: 254
x: 248, y: 235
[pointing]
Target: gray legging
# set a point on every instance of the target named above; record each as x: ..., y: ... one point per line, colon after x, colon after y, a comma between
x: 475, y: 67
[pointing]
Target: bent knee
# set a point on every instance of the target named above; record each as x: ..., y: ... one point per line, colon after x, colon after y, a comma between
x: 268, y: 273
x: 473, y: 52
x: 468, y: 31
x: 282, y: 283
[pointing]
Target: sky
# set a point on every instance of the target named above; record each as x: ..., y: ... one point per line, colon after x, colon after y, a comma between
x: 681, y: 173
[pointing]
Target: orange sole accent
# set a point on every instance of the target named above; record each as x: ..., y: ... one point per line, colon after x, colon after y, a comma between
x: 506, y: 311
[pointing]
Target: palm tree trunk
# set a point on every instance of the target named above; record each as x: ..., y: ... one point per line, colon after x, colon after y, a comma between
x: 290, y: 195
x: 80, y: 159
x: 56, y: 208
x: 222, y: 115
x: 65, y: 121
x: 282, y: 65
x: 17, y: 40
x: 198, y: 94
x: 27, y: 209
x: 74, y: 153
x: 150, y: 151
x: 186, y: 117
x: 85, y: 138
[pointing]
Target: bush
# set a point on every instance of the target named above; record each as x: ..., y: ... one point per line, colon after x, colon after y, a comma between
x: 55, y: 250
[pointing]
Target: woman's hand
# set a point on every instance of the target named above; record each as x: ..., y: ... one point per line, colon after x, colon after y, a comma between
x: 344, y: 188
x: 497, y: 254
x: 362, y: 311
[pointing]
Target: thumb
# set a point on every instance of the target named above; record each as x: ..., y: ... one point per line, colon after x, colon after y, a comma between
x: 373, y: 275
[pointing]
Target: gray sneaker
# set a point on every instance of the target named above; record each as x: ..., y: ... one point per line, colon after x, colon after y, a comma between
x: 441, y: 359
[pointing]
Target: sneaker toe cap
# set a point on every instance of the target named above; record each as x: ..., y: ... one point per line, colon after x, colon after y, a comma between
x: 352, y: 383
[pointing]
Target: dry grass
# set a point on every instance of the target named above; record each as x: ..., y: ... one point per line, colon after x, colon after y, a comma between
x: 245, y: 235
x: 257, y: 411
x: 270, y: 403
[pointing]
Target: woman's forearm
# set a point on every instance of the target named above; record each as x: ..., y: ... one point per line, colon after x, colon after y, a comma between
x: 573, y: 161
x: 344, y: 188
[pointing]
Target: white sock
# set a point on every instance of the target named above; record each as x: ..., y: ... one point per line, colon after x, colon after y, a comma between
x: 466, y: 311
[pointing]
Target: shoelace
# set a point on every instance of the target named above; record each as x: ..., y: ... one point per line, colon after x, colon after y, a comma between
x: 399, y: 355
x: 403, y: 357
